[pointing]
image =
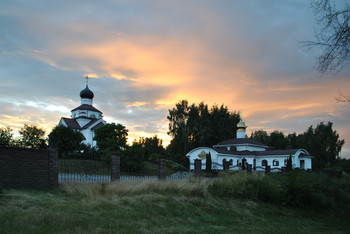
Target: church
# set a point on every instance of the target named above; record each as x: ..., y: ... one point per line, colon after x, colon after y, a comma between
x: 242, y: 151
x: 85, y: 118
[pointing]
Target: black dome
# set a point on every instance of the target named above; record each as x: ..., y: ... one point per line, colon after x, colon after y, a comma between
x: 86, y: 93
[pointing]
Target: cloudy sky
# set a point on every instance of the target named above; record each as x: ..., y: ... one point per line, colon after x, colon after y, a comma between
x: 146, y: 55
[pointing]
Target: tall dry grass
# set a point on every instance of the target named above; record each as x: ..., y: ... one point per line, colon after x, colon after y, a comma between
x: 190, y: 187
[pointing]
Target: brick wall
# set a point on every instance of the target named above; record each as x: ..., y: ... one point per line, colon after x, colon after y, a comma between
x: 28, y: 168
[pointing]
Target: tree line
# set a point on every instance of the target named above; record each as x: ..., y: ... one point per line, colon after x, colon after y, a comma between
x: 30, y: 136
x: 190, y: 126
x: 322, y: 142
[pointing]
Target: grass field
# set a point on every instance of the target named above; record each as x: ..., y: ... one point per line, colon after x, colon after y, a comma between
x: 183, y: 206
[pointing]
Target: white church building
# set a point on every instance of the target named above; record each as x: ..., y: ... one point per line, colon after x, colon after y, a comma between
x: 85, y: 118
x: 242, y: 151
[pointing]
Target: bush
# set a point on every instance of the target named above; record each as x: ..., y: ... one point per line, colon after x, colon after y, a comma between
x: 296, y: 189
x: 175, y: 166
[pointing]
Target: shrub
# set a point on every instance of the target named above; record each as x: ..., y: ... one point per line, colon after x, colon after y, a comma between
x: 296, y: 189
x: 175, y: 166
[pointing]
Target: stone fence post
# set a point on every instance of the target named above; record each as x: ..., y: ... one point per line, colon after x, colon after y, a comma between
x: 162, y: 169
x: 115, y: 167
x: 197, y: 167
x: 53, y: 167
x: 249, y: 167
x: 226, y: 165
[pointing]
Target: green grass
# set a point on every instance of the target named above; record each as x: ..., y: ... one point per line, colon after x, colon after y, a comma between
x: 183, y: 206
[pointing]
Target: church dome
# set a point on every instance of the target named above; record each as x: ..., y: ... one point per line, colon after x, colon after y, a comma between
x: 87, y: 93
x: 241, y: 125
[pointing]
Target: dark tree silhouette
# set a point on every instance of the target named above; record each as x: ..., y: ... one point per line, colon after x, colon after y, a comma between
x: 6, y: 136
x: 66, y: 139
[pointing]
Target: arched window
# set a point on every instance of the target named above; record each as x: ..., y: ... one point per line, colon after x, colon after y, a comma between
x: 231, y: 161
x: 264, y: 163
x: 275, y: 162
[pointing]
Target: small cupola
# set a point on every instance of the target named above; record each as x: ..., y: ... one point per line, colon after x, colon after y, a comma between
x: 86, y: 93
x: 241, y: 127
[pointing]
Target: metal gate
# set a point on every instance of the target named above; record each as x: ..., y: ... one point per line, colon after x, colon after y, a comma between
x: 86, y: 167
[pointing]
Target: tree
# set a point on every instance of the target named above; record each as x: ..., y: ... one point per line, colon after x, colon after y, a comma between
x: 32, y: 137
x: 322, y: 143
x: 224, y: 123
x: 260, y: 136
x: 66, y: 139
x: 289, y: 165
x: 110, y: 138
x: 133, y: 159
x: 6, y: 136
x: 153, y: 147
x: 191, y: 126
x: 277, y: 140
x: 343, y: 98
x: 334, y: 34
x: 208, y: 162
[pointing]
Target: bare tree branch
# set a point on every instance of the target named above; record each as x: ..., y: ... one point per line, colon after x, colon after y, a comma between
x: 334, y: 36
x: 344, y: 98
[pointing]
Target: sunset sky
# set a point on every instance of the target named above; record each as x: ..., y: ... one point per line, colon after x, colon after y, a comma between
x: 146, y: 55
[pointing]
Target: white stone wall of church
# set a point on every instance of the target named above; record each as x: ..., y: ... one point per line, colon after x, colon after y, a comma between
x: 270, y: 161
x: 192, y: 155
x: 250, y: 148
x: 240, y: 134
x: 91, y: 114
x: 86, y: 101
x: 308, y: 163
x: 83, y: 122
x: 88, y: 134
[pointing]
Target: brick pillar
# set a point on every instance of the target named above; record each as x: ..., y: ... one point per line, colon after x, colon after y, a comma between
x: 115, y: 167
x: 162, y: 169
x: 53, y: 167
x: 267, y: 169
x: 226, y: 166
x: 197, y: 167
x: 249, y: 167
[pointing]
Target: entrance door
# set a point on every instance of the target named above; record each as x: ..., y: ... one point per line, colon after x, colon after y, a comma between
x: 302, y: 164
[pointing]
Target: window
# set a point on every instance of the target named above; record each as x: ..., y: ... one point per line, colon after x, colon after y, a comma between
x: 231, y: 162
x: 285, y: 162
x: 264, y: 163
x: 275, y: 162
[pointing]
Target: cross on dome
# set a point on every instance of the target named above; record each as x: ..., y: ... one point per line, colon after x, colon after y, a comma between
x: 87, y: 80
